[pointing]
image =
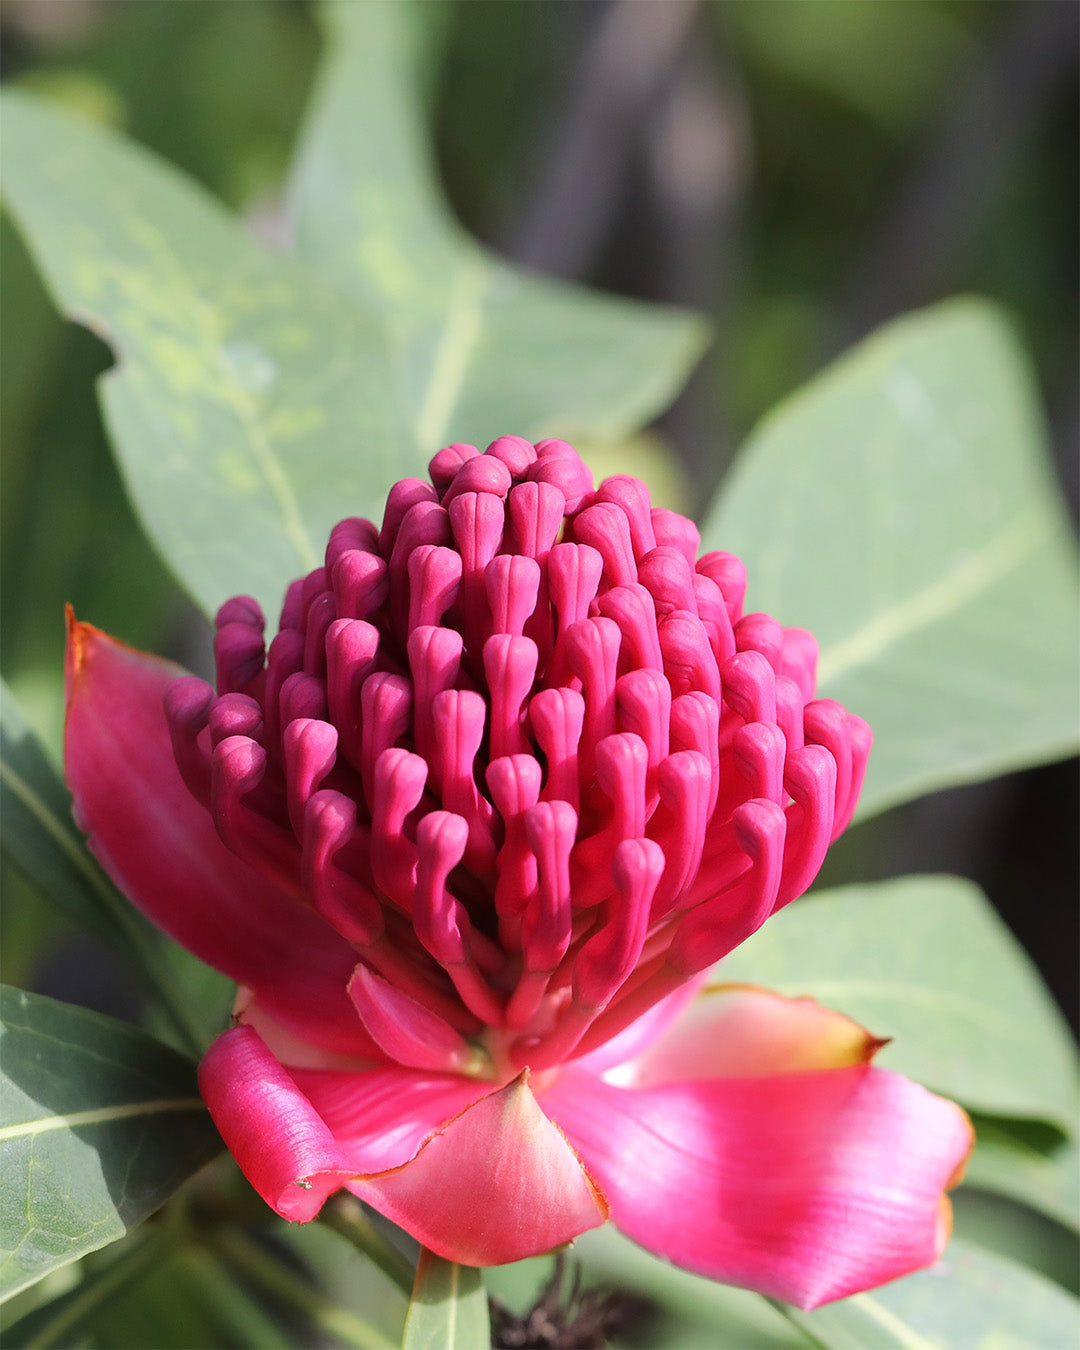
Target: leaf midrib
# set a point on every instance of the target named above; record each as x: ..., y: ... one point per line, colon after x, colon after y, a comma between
x: 103, y: 1115
x: 945, y: 595
x: 454, y: 352
x: 209, y: 322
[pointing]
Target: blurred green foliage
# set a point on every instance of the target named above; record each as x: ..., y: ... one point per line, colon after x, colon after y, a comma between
x: 830, y: 104
x: 838, y: 121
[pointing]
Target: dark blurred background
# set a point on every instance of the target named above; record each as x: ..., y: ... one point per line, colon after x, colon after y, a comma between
x: 800, y: 170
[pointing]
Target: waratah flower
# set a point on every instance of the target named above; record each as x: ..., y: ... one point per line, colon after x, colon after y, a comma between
x: 514, y: 774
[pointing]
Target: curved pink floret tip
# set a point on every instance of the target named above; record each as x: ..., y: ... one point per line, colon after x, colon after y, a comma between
x: 472, y: 827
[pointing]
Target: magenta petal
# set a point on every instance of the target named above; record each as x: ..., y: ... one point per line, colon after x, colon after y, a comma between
x: 404, y: 1030
x: 381, y: 1117
x: 805, y: 1187
x: 498, y: 1183
x: 160, y: 847
x: 742, y: 1031
x: 479, y: 1175
x: 642, y: 1033
x: 269, y: 1126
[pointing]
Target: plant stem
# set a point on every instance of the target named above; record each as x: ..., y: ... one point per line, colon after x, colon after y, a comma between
x: 238, y: 1311
x: 346, y: 1217
x: 279, y: 1282
x: 96, y: 1291
x: 787, y: 1314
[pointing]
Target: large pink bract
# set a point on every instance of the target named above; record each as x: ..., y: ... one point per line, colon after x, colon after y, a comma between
x: 514, y: 774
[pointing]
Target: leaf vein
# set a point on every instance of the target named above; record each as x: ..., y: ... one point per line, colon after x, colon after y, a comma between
x: 103, y: 1115
x: 942, y: 597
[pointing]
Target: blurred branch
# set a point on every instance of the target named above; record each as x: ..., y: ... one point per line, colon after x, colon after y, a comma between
x: 622, y: 69
x: 995, y: 110
x: 284, y: 1286
x: 345, y: 1216
x: 698, y: 165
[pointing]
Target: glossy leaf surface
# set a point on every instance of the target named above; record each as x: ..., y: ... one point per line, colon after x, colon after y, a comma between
x: 449, y: 1309
x: 479, y: 348
x: 900, y: 507
x: 100, y: 1124
x: 925, y: 961
x: 971, y: 1300
x: 254, y: 401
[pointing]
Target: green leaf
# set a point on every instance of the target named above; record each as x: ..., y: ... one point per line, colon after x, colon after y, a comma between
x: 248, y: 406
x: 971, y: 1300
x: 449, y: 1308
x: 925, y: 960
x: 195, y: 1281
x: 736, y: 1318
x: 254, y: 402
x: 58, y: 1322
x: 99, y: 1125
x: 901, y: 507
x: 39, y: 835
x: 480, y: 348
x: 279, y: 1282
x: 1026, y: 1165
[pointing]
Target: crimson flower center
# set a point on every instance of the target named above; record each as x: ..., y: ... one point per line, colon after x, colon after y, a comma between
x: 522, y: 748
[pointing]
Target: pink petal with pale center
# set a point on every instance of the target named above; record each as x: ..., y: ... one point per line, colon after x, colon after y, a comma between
x: 381, y: 1117
x: 498, y: 1183
x: 480, y: 1176
x: 269, y: 1126
x: 635, y: 1039
x: 742, y: 1031
x: 160, y: 847
x: 805, y: 1187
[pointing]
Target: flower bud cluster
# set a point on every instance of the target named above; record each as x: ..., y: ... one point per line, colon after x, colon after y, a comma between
x: 521, y: 747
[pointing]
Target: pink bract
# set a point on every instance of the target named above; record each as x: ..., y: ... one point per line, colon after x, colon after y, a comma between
x: 514, y: 774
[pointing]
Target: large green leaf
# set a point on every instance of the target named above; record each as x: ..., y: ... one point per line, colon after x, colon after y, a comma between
x: 971, y: 1300
x: 255, y: 401
x: 39, y: 835
x: 479, y: 347
x: 37, y: 832
x: 1027, y: 1163
x: 925, y: 960
x: 735, y: 1318
x: 99, y: 1125
x: 449, y: 1308
x: 248, y: 406
x: 901, y: 507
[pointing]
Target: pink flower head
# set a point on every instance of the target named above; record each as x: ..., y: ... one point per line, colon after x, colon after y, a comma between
x: 515, y: 772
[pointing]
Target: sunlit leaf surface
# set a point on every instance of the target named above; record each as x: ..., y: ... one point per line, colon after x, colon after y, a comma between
x: 256, y: 400
x: 901, y: 508
x: 926, y: 961
x: 248, y: 403
x: 99, y: 1125
x: 449, y: 1309
x: 480, y: 348
x: 971, y: 1300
